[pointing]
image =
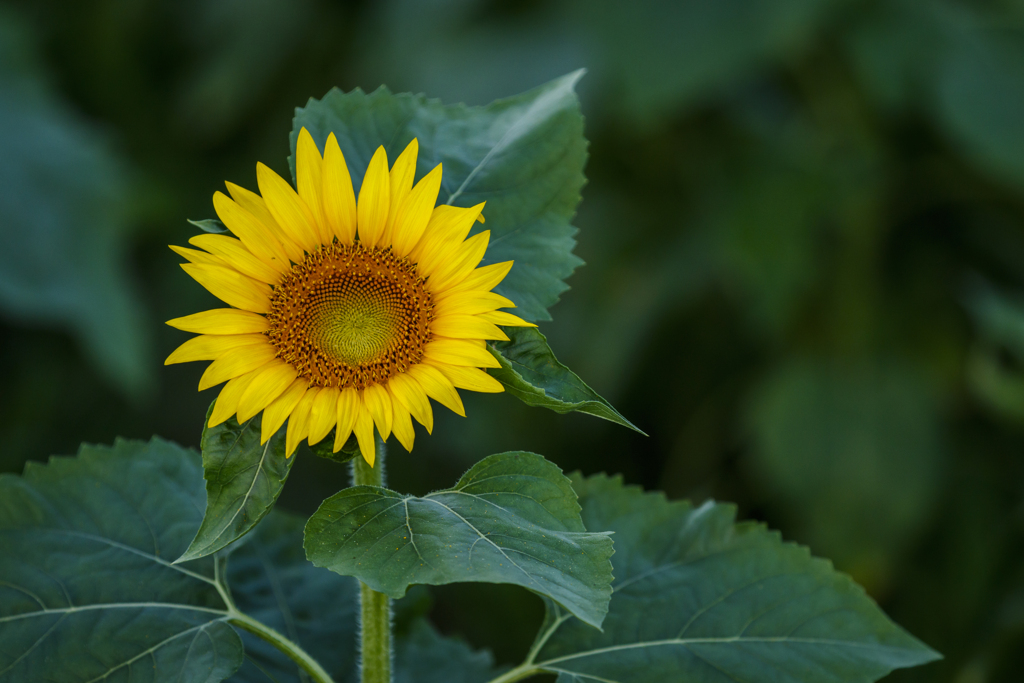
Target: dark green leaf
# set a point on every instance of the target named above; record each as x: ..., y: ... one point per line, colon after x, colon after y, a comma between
x: 700, y: 598
x: 87, y: 588
x: 531, y: 373
x: 425, y: 656
x: 513, y: 518
x: 65, y: 216
x: 523, y: 155
x: 854, y: 452
x: 243, y: 480
x: 272, y: 582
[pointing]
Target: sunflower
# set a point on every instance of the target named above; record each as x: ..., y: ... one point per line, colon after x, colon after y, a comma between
x: 344, y: 314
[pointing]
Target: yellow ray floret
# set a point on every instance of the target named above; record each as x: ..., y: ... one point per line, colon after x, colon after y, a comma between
x: 346, y: 314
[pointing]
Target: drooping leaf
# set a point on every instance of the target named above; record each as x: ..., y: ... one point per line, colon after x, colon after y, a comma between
x: 531, y: 373
x: 513, y: 518
x: 243, y: 481
x: 853, y: 452
x: 65, y: 216
x: 700, y: 598
x: 87, y: 588
x: 523, y: 155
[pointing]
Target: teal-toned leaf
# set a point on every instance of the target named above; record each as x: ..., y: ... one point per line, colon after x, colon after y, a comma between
x: 531, y: 373
x: 853, y: 454
x: 87, y: 588
x: 243, y: 480
x: 272, y: 581
x: 700, y: 598
x: 425, y: 656
x: 999, y: 317
x: 210, y: 225
x: 513, y: 518
x: 523, y: 155
x: 65, y: 216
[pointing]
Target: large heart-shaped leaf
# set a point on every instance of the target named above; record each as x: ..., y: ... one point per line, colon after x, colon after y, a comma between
x: 523, y: 155
x: 513, y: 518
x: 531, y: 373
x: 243, y: 481
x: 700, y: 598
x: 87, y: 588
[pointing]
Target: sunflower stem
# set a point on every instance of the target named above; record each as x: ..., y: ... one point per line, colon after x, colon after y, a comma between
x: 375, y: 608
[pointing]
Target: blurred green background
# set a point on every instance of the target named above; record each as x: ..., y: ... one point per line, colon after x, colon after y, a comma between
x: 804, y: 231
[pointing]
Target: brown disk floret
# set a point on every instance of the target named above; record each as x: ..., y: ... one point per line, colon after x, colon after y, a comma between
x: 350, y: 316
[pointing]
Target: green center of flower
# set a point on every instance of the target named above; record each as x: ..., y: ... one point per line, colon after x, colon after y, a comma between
x: 350, y: 316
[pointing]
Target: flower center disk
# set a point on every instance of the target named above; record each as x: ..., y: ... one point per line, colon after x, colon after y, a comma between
x: 350, y: 316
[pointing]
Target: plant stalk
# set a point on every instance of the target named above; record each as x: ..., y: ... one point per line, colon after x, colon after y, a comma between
x: 375, y: 608
x: 294, y: 652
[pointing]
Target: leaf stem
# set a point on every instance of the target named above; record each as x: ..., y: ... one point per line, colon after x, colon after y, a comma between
x: 294, y: 652
x: 517, y: 674
x: 375, y: 608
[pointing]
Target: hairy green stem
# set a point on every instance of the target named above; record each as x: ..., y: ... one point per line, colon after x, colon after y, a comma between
x: 375, y: 608
x: 294, y: 652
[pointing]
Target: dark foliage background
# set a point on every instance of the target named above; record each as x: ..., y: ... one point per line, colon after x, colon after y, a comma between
x: 804, y: 231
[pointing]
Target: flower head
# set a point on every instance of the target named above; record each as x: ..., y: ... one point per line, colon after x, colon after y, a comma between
x: 344, y: 314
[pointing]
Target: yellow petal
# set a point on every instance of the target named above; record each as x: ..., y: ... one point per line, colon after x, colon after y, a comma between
x: 401, y: 177
x: 413, y: 214
x: 237, y: 363
x: 212, y: 347
x: 240, y: 258
x: 277, y: 412
x: 484, y: 279
x: 227, y: 401
x: 462, y: 263
x: 466, y: 327
x: 374, y: 199
x: 288, y: 209
x: 378, y: 402
x: 254, y: 204
x: 446, y: 231
x: 503, y: 318
x: 271, y: 382
x: 199, y: 257
x: 411, y: 395
x: 298, y: 421
x: 471, y: 303
x: 363, y: 428
x: 459, y: 352
x: 231, y: 287
x: 221, y: 321
x: 348, y: 409
x: 324, y: 414
x: 339, y: 198
x: 402, y: 426
x: 473, y: 379
x: 254, y: 235
x: 309, y: 179
x: 437, y: 387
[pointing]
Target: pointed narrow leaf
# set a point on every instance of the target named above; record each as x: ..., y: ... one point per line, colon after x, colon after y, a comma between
x: 531, y: 373
x: 523, y: 155
x: 700, y: 598
x: 243, y: 481
x: 87, y: 588
x: 513, y: 518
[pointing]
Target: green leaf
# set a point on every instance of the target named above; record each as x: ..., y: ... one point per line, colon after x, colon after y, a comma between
x: 425, y: 656
x: 65, y: 212
x: 243, y: 481
x: 272, y: 582
x: 513, y: 518
x: 210, y: 225
x: 87, y: 588
x: 523, y: 155
x: 854, y: 453
x: 700, y: 598
x: 531, y: 373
